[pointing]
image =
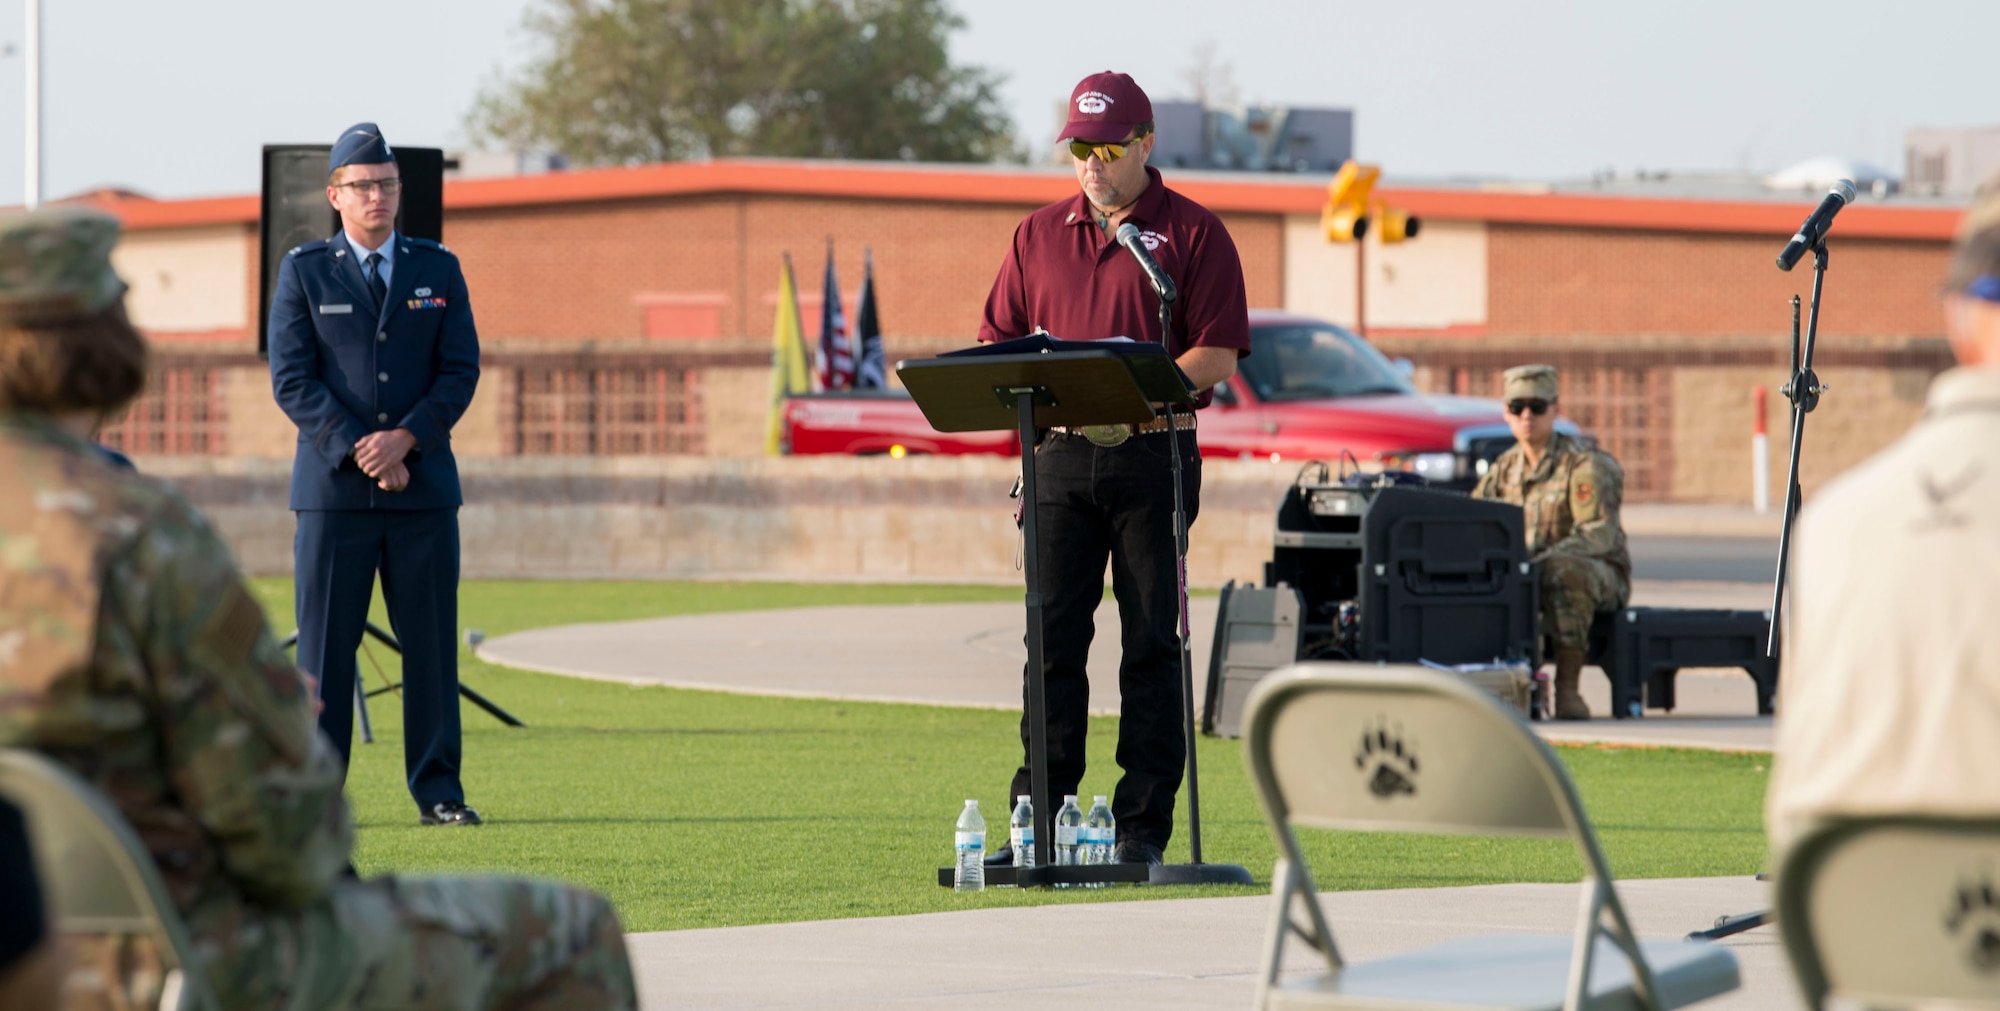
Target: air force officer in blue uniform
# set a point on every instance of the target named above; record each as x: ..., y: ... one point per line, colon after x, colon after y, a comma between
x: 374, y: 357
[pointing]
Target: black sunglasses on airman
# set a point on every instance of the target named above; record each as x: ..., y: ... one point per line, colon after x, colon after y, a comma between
x: 1537, y: 405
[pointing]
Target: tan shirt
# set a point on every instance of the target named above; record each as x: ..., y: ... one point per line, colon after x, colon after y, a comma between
x: 1890, y: 695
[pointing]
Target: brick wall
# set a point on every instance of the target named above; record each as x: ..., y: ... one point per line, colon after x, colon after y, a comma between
x: 572, y: 272
x: 1677, y: 411
x: 1547, y: 281
x: 252, y: 293
x: 1260, y: 241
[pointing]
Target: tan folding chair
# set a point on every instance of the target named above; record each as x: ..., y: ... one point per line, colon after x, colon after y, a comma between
x: 99, y: 877
x: 1403, y: 749
x: 1894, y: 912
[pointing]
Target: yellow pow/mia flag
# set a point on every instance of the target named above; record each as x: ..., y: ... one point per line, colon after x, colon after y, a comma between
x: 789, y: 373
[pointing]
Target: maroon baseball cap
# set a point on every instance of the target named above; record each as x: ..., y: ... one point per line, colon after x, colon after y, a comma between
x: 1104, y: 108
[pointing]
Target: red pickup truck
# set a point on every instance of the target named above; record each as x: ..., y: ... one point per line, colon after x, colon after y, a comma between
x: 1308, y: 391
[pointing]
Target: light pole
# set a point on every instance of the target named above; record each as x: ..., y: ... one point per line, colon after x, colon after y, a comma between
x: 31, y: 179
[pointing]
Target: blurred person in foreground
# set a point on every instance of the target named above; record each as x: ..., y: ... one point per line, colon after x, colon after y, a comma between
x: 1570, y: 494
x: 1890, y: 698
x: 1105, y: 493
x: 374, y: 357
x: 31, y: 962
x: 131, y: 652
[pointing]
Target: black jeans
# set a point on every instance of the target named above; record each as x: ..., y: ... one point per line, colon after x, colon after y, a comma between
x: 1094, y: 503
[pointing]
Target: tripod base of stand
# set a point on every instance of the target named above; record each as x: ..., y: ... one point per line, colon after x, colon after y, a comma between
x: 1732, y: 925
x: 1199, y: 874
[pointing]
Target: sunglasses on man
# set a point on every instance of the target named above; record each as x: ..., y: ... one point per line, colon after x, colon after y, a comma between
x: 1082, y: 149
x: 1536, y: 406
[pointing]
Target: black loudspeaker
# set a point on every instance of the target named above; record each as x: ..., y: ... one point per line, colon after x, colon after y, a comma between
x: 422, y: 213
x: 1446, y: 578
x: 1428, y: 575
x: 295, y: 210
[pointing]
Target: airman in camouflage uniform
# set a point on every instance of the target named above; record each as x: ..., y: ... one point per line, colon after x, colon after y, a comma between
x: 1570, y: 494
x: 131, y: 651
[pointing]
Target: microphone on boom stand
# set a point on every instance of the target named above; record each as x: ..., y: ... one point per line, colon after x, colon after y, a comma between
x: 1197, y: 871
x: 1803, y: 391
x: 1129, y: 237
x: 1813, y: 232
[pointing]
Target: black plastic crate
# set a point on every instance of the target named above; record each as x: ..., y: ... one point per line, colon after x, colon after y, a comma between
x: 1649, y: 645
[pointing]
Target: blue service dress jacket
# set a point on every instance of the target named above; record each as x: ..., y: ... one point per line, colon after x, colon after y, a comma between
x: 341, y: 370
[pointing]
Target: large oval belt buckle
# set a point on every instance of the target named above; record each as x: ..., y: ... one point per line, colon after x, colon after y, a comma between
x: 1107, y: 435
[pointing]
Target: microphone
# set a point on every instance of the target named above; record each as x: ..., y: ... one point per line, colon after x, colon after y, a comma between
x: 1813, y: 232
x: 1128, y: 236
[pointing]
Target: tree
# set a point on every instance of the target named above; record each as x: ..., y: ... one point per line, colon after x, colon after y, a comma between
x: 629, y: 81
x: 1211, y: 81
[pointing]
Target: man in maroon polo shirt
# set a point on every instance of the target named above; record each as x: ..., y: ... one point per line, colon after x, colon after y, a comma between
x: 1110, y: 495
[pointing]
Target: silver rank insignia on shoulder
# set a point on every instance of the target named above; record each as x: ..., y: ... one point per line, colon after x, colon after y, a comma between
x: 292, y: 250
x: 340, y: 252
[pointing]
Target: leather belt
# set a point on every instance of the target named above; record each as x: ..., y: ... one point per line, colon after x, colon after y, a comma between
x: 1115, y: 435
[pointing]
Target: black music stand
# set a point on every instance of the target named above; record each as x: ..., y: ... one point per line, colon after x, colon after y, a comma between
x: 1041, y: 382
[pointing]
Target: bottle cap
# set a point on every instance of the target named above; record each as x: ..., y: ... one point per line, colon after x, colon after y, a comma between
x: 1099, y: 798
x: 971, y: 803
x: 1069, y: 798
x: 1022, y: 799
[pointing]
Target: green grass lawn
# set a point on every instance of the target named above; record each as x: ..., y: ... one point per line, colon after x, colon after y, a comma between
x: 703, y: 809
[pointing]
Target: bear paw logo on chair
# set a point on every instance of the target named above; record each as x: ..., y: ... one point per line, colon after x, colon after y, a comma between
x: 1394, y: 763
x: 1975, y: 914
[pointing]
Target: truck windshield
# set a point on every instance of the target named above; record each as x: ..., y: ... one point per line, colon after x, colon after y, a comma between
x: 1294, y: 362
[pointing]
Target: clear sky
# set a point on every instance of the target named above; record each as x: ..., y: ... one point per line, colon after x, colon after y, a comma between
x: 175, y: 98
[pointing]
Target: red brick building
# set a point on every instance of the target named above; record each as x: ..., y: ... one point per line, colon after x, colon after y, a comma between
x: 629, y: 310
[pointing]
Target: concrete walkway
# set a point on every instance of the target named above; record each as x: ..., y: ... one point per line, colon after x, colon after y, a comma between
x: 1182, y: 953
x: 1146, y: 956
x: 972, y: 655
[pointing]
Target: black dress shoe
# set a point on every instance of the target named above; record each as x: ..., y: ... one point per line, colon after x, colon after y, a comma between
x: 451, y: 812
x: 1133, y: 851
x: 1002, y: 857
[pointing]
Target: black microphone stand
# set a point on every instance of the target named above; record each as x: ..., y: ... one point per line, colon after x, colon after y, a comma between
x: 1803, y: 391
x: 1194, y: 872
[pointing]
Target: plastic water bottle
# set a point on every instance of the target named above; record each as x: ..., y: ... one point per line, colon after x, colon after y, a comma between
x: 1069, y: 833
x: 970, y: 875
x: 1021, y: 831
x: 1100, y: 831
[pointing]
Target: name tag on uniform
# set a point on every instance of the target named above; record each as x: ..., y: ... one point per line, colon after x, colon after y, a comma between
x: 426, y: 303
x: 335, y: 310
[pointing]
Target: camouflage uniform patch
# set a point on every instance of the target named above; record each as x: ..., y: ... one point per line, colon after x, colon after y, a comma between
x: 134, y: 655
x: 1570, y: 503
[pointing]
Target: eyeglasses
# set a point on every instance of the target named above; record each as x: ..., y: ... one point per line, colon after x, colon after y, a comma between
x: 1537, y: 406
x: 369, y: 187
x: 1083, y: 149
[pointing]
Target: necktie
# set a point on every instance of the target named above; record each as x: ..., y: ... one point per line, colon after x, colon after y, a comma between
x: 375, y: 285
